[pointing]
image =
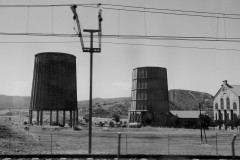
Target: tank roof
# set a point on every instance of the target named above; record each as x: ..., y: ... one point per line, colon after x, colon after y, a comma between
x: 149, y: 67
x: 54, y: 53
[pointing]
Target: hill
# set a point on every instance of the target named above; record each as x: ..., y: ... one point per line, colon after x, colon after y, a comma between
x: 20, y: 102
x: 178, y: 100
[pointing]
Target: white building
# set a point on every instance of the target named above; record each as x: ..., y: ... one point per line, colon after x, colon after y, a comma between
x: 226, y: 102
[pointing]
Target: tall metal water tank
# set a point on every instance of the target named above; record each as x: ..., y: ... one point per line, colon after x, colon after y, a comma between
x: 54, y: 86
x: 149, y: 92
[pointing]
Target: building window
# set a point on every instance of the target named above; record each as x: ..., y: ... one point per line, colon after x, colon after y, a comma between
x: 216, y: 106
x: 222, y: 103
x: 228, y: 103
x: 234, y: 105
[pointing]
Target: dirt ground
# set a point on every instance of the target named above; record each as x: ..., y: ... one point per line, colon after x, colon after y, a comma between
x: 14, y: 139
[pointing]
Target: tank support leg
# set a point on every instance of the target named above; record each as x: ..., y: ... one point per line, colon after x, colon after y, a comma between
x: 63, y: 118
x: 74, y: 119
x: 37, y: 117
x: 41, y: 117
x: 50, y: 117
x: 57, y: 117
x: 30, y: 116
x: 77, y: 117
x: 70, y: 120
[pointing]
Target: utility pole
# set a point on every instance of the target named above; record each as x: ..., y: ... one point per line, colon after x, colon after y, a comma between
x: 199, y: 105
x: 91, y: 50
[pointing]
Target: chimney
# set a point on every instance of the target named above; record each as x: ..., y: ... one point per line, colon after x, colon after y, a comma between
x: 225, y: 82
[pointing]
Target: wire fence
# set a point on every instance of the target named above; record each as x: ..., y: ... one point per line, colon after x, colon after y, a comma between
x: 108, y: 143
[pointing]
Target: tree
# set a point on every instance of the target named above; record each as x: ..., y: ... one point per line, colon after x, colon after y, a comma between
x: 205, y: 122
x: 219, y: 122
x: 147, y: 118
x: 116, y: 118
x: 86, y: 118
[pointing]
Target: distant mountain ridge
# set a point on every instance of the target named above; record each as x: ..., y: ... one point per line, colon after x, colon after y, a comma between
x: 178, y: 100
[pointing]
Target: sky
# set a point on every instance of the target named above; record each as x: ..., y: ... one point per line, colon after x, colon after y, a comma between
x: 191, y: 65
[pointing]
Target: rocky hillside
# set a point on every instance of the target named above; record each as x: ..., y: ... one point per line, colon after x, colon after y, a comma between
x: 178, y: 100
x: 188, y: 100
x: 7, y: 102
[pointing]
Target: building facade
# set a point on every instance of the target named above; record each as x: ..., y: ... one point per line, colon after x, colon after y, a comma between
x: 226, y: 102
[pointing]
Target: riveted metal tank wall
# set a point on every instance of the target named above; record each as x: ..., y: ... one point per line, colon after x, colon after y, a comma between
x: 149, y: 94
x: 54, y: 84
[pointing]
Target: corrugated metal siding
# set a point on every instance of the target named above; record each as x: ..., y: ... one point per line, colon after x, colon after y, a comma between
x: 150, y: 89
x: 54, y: 84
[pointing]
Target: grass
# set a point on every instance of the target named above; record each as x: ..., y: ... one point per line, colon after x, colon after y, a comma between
x: 146, y: 140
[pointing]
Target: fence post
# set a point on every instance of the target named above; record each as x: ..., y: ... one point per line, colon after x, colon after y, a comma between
x: 233, y: 150
x: 168, y: 144
x: 9, y: 143
x: 119, y: 144
x: 51, y: 143
x: 126, y: 144
x: 216, y: 145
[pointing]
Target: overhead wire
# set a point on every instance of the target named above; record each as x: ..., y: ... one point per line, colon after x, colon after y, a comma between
x: 149, y: 37
x: 175, y: 10
x: 141, y: 9
x: 131, y: 44
x: 169, y: 13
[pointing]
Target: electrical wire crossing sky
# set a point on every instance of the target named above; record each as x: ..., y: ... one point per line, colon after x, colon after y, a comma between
x: 196, y: 41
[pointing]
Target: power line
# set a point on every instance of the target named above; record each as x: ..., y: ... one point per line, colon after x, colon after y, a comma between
x: 175, y: 10
x: 146, y: 10
x: 134, y: 37
x: 52, y: 5
x: 134, y: 44
x: 173, y: 13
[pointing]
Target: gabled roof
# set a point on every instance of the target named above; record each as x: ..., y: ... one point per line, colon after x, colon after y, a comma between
x: 186, y: 114
x: 233, y: 88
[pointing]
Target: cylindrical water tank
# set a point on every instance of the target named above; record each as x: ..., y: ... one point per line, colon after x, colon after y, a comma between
x: 54, y: 84
x: 150, y: 90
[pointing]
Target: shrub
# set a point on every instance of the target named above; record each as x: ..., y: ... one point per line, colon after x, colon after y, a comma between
x: 111, y: 124
x: 116, y: 118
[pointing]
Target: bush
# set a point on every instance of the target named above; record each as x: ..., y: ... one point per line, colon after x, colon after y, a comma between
x: 54, y: 124
x: 76, y: 129
x: 116, y: 118
x: 111, y: 124
x: 101, y: 124
x: 60, y: 125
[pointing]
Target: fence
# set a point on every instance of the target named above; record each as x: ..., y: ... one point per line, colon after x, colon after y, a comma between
x: 108, y: 143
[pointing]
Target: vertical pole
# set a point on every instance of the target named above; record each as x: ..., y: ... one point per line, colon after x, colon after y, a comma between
x: 51, y: 143
x: 126, y: 144
x: 30, y: 117
x: 57, y: 117
x: 119, y: 145
x: 9, y: 144
x: 77, y: 116
x: 216, y: 145
x: 73, y: 119
x: 37, y: 117
x: 41, y: 117
x: 30, y: 114
x: 233, y: 149
x: 168, y: 144
x: 70, y: 120
x: 50, y: 117
x: 200, y: 121
x: 64, y: 118
x: 90, y: 97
